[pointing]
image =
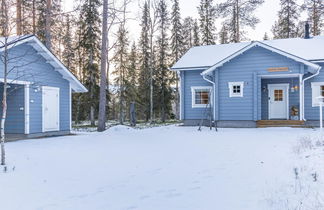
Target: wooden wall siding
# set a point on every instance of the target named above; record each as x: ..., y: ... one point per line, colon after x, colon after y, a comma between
x: 242, y: 68
x: 293, y: 96
x: 34, y: 68
x: 312, y: 113
x: 192, y: 78
x: 15, y: 122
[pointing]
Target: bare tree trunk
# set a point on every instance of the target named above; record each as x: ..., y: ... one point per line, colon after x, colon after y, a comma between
x: 92, y: 119
x: 48, y: 22
x: 151, y: 72
x: 103, y: 66
x: 34, y: 16
x: 19, y: 19
x: 177, y: 96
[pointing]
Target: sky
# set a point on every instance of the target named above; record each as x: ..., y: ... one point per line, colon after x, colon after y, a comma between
x: 267, y: 13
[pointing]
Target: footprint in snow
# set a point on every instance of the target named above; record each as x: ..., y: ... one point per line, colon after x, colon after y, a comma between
x: 144, y: 197
x: 194, y: 188
x: 131, y: 207
x: 173, y: 195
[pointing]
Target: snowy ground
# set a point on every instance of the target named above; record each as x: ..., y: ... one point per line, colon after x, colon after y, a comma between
x: 165, y: 168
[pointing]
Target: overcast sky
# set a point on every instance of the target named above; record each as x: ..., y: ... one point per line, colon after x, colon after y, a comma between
x: 267, y: 13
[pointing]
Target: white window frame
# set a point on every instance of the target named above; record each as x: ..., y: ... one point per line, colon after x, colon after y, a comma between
x: 193, y: 95
x: 316, y: 92
x: 230, y: 86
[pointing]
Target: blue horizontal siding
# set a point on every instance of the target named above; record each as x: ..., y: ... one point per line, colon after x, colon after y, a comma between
x: 192, y: 78
x: 31, y: 66
x: 15, y: 121
x: 241, y: 69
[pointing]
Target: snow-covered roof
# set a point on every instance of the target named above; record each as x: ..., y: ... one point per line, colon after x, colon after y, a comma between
x: 47, y: 54
x: 207, y: 56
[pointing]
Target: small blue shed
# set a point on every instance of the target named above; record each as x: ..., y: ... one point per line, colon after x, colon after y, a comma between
x: 253, y: 82
x: 40, y: 89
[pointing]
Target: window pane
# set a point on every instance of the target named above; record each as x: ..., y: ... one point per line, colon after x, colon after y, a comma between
x: 201, y: 96
x: 278, y: 95
x: 236, y: 89
x: 322, y: 91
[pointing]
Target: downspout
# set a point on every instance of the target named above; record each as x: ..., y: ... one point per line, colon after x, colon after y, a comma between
x: 303, y: 84
x: 213, y: 83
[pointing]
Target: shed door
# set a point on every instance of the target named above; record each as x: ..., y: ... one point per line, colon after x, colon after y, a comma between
x: 278, y: 101
x: 51, y: 105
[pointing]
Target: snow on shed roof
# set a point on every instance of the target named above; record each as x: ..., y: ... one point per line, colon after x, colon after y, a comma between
x: 206, y: 56
x: 13, y: 41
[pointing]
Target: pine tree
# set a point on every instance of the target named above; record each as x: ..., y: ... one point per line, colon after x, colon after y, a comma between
x: 121, y: 67
x: 163, y: 77
x: 315, y: 10
x: 176, y: 32
x: 265, y: 37
x: 177, y: 47
x: 131, y: 76
x: 89, y: 44
x: 144, y: 62
x: 286, y: 25
x: 68, y: 55
x: 238, y: 14
x: 223, y: 35
x: 196, y: 34
x: 207, y: 16
x: 187, y: 30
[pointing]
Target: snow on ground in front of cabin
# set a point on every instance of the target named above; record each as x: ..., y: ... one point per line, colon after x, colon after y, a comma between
x: 164, y: 168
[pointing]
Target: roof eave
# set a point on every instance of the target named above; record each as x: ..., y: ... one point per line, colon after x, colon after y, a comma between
x: 75, y: 83
x: 273, y: 49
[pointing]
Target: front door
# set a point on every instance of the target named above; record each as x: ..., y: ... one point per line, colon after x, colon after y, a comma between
x: 278, y: 101
x: 51, y: 104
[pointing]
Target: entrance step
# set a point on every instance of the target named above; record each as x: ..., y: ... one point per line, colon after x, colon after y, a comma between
x: 280, y: 123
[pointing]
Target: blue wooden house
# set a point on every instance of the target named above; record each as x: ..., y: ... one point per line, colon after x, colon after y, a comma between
x: 40, y: 88
x: 275, y: 82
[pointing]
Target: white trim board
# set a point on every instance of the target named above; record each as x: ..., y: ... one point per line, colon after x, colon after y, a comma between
x: 276, y: 76
x: 286, y: 85
x: 27, y: 111
x: 235, y: 95
x: 315, y: 86
x: 18, y: 82
x: 193, y: 102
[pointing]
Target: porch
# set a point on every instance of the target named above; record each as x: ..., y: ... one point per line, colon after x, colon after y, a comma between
x: 281, y: 98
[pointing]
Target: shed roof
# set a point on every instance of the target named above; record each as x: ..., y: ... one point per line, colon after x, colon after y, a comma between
x: 13, y: 41
x: 207, y: 56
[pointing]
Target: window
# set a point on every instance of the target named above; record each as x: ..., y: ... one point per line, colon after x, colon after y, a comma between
x: 317, y: 91
x: 236, y: 89
x: 278, y: 95
x: 201, y: 96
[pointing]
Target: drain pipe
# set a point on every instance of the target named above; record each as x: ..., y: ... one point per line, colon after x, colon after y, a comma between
x: 303, y: 91
x: 213, y: 83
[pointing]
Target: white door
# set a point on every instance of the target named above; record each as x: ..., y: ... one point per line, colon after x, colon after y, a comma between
x: 278, y: 101
x: 51, y: 105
